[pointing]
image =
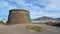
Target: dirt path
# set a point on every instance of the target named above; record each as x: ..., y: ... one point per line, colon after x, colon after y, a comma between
x: 20, y: 29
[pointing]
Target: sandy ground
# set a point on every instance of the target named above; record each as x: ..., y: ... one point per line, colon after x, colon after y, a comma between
x: 20, y: 29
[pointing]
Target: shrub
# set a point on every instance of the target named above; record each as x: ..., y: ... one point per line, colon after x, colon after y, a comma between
x: 33, y: 28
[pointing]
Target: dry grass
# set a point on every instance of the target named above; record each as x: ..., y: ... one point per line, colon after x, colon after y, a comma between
x: 34, y: 28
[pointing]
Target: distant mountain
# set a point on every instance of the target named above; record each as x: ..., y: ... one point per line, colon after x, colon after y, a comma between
x: 47, y: 19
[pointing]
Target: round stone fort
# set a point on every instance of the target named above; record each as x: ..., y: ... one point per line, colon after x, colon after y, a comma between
x: 18, y: 16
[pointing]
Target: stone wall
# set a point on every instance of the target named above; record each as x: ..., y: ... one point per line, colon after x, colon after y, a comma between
x: 18, y: 16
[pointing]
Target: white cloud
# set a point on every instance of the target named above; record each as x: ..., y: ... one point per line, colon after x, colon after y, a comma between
x: 35, y: 10
x: 5, y: 7
x: 50, y: 4
x: 3, y: 3
x: 53, y: 5
x: 31, y: 6
x: 19, y: 2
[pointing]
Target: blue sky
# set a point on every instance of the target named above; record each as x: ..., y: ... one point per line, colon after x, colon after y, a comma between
x: 37, y: 8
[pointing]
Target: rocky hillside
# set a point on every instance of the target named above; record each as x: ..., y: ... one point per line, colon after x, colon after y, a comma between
x: 47, y: 19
